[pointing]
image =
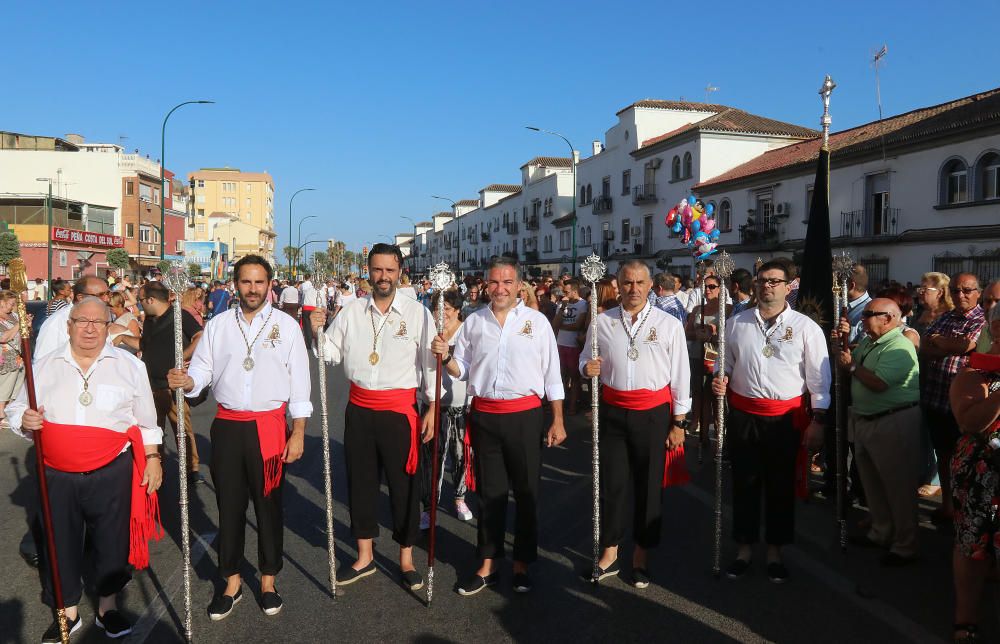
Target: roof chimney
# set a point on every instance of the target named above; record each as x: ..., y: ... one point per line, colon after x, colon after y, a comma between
x: 597, y: 148
x: 75, y: 139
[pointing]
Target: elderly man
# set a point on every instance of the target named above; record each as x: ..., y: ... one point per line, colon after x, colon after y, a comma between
x: 991, y: 295
x: 666, y: 299
x: 885, y: 416
x: 945, y: 348
x: 52, y: 335
x: 103, y: 462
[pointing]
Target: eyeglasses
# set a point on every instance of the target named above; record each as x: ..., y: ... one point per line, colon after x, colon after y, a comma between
x: 871, y: 314
x: 964, y: 291
x: 82, y: 323
x: 711, y: 287
x: 923, y: 289
x: 772, y: 282
x: 102, y: 295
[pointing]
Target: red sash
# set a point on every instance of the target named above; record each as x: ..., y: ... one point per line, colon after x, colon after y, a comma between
x: 492, y: 406
x: 400, y: 401
x: 271, y: 433
x: 675, y: 470
x: 800, y: 421
x: 984, y: 361
x: 81, y: 448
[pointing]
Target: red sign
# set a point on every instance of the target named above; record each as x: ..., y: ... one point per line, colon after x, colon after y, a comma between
x: 85, y: 237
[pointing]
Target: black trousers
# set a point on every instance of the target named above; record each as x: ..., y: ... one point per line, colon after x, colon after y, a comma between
x: 507, y: 455
x: 762, y: 450
x: 97, y: 505
x: 307, y: 328
x: 375, y: 442
x: 632, y: 442
x: 238, y: 474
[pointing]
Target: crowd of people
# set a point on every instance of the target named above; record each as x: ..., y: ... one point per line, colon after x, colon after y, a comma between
x: 920, y: 407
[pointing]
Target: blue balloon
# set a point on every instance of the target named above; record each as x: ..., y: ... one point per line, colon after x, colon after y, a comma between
x: 695, y: 227
x: 677, y: 227
x: 709, y: 209
x: 715, y: 234
x: 692, y: 200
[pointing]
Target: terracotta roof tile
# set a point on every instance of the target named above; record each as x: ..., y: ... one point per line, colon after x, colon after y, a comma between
x: 684, y: 106
x: 468, y: 202
x: 940, y: 119
x: 550, y: 162
x: 503, y: 187
x: 734, y: 120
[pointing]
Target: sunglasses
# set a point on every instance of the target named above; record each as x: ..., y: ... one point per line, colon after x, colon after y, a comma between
x: 924, y: 289
x: 964, y: 291
x: 772, y: 282
x: 711, y: 287
x: 870, y: 314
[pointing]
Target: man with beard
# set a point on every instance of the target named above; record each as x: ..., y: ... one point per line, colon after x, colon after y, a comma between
x: 507, y: 353
x: 255, y: 360
x: 383, y: 341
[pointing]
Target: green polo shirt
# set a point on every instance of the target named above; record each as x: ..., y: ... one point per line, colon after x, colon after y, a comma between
x: 894, y: 360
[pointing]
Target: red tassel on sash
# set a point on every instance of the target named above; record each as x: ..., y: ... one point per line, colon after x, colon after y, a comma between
x: 82, y: 448
x: 800, y: 421
x: 401, y: 401
x: 492, y: 406
x: 272, y: 433
x: 675, y: 471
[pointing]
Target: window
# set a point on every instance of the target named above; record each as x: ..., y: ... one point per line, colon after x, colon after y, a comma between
x: 687, y: 165
x: 626, y: 182
x: 606, y: 187
x: 248, y: 202
x: 201, y: 183
x: 179, y: 246
x: 201, y: 212
x: 626, y: 223
x: 564, y: 239
x: 809, y: 202
x: 249, y: 187
x: 583, y: 194
x: 200, y: 199
x: 590, y: 194
x: 725, y: 216
x: 675, y: 169
x: 144, y: 235
x: 156, y: 195
x: 130, y: 231
x: 765, y: 206
x: 145, y: 192
x: 954, y: 182
x: 988, y: 177
x: 63, y: 260
x: 129, y: 188
x: 590, y: 239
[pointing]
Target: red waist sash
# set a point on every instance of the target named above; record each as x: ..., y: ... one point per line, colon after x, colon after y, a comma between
x: 492, y: 406
x: 271, y: 433
x: 82, y: 448
x: 636, y: 400
x: 400, y: 401
x: 984, y: 361
x: 800, y: 421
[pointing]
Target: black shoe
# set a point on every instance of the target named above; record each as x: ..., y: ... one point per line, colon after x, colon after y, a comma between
x: 271, y: 603
x: 640, y: 578
x: 522, y: 583
x: 412, y: 580
x: 737, y: 569
x: 194, y: 478
x: 52, y: 635
x: 222, y: 605
x: 863, y: 541
x: 777, y: 573
x: 587, y: 574
x: 30, y: 557
x: 476, y: 583
x: 350, y: 575
x: 894, y: 560
x: 114, y: 624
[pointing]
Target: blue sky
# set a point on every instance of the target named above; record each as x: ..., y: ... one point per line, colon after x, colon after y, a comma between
x: 380, y: 105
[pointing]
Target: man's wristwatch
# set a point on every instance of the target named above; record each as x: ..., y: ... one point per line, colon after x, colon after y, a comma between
x: 819, y: 415
x: 683, y: 424
x: 446, y: 361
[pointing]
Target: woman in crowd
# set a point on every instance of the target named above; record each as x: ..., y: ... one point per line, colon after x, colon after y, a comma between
x: 123, y: 315
x: 701, y: 329
x: 527, y: 295
x: 11, y: 364
x: 607, y: 294
x: 193, y: 301
x: 935, y: 301
x: 898, y: 294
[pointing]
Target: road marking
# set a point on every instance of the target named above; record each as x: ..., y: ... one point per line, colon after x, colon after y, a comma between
x: 165, y: 598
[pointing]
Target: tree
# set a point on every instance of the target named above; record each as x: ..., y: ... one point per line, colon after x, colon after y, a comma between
x: 164, y: 266
x: 10, y: 248
x: 194, y: 270
x: 118, y: 259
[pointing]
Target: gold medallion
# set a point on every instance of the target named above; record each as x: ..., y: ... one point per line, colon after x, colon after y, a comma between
x: 373, y: 358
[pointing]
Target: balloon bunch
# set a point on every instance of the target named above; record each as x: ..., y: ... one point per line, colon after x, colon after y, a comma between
x: 696, y: 223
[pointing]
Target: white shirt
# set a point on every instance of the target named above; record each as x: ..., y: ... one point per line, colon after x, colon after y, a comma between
x: 517, y: 360
x: 308, y: 294
x: 117, y: 380
x: 404, y: 345
x: 453, y: 391
x: 571, y: 312
x: 800, y: 364
x: 408, y: 291
x: 281, y: 365
x: 663, y: 355
x: 289, y: 295
x: 343, y: 299
x: 53, y: 334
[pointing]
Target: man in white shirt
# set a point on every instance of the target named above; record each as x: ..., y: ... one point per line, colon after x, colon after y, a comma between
x: 309, y: 295
x: 54, y: 334
x: 646, y: 378
x: 568, y: 323
x: 777, y: 368
x: 97, y: 411
x: 289, y: 300
x: 384, y: 342
x: 507, y: 353
x: 255, y: 360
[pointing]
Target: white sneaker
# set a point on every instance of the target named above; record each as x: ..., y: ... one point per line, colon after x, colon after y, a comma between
x: 425, y: 520
x: 462, y: 510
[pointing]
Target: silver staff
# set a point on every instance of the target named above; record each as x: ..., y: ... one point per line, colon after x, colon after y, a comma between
x: 842, y: 265
x: 319, y: 275
x: 700, y: 412
x: 724, y: 266
x: 177, y: 281
x: 442, y: 279
x: 593, y: 270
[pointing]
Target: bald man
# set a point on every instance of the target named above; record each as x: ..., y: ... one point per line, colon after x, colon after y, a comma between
x: 885, y: 417
x: 53, y: 334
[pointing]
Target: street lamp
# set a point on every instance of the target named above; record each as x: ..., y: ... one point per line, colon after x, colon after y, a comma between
x: 292, y: 269
x: 572, y: 154
x: 48, y: 222
x: 413, y: 244
x: 163, y: 162
x: 458, y: 248
x: 298, y: 238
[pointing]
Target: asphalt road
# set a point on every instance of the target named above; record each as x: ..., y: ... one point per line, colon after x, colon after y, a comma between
x: 830, y: 598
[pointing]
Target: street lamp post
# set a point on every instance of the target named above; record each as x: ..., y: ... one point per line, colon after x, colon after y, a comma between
x: 413, y: 245
x: 48, y: 223
x: 298, y: 239
x: 291, y: 269
x: 163, y: 162
x: 572, y: 155
x: 458, y: 247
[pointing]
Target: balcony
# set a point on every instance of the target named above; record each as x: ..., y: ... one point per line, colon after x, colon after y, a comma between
x: 762, y: 233
x: 532, y: 223
x: 485, y: 235
x: 138, y: 163
x: 645, y: 193
x: 861, y: 224
x: 603, y: 205
x: 531, y: 256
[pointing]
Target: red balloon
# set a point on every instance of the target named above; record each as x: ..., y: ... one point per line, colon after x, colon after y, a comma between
x: 671, y: 217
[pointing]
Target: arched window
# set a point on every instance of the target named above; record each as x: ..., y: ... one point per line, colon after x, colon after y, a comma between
x: 590, y: 193
x: 675, y: 168
x: 988, y: 176
x: 583, y: 194
x: 590, y: 239
x: 687, y: 165
x: 954, y: 182
x: 724, y: 215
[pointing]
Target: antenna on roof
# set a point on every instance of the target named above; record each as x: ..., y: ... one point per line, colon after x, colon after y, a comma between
x: 708, y: 91
x: 876, y: 57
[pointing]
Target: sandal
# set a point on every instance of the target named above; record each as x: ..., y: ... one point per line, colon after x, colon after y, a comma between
x: 965, y: 632
x: 929, y: 490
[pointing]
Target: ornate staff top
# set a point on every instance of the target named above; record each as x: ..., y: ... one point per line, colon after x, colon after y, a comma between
x: 441, y: 277
x: 842, y: 265
x: 176, y: 278
x: 593, y: 269
x: 19, y: 284
x: 724, y: 265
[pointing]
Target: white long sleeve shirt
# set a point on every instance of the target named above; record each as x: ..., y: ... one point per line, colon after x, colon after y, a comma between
x: 516, y: 360
x: 405, y: 332
x: 800, y: 364
x: 663, y: 355
x: 281, y: 365
x: 53, y: 334
x: 116, y: 380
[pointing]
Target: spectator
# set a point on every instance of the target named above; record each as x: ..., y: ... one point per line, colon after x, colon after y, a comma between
x: 11, y: 363
x: 945, y: 347
x: 39, y: 291
x: 193, y: 301
x: 289, y: 300
x: 885, y: 392
x: 935, y: 300
x: 607, y: 295
x: 405, y: 288
x: 741, y: 290
x: 527, y: 295
x: 857, y: 299
x: 218, y: 299
x: 569, y: 321
x: 545, y: 304
x: 62, y: 295
x: 991, y: 294
x: 123, y: 316
x: 472, y: 301
x: 702, y: 333
x: 903, y: 300
x: 666, y: 299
